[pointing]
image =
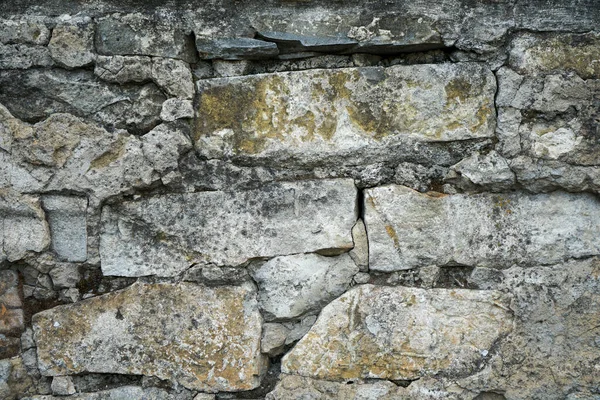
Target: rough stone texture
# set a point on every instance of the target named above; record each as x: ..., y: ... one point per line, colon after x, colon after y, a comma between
x: 123, y: 69
x: 490, y: 171
x: 173, y: 109
x: 318, y: 115
x: 72, y: 42
x: 204, y: 338
x: 273, y: 338
x: 12, y: 319
x: 409, y: 229
x: 174, y: 77
x: 36, y: 94
x: 24, y: 228
x: 24, y: 31
x: 401, y: 333
x: 135, y: 34
x: 226, y: 228
x: 235, y: 49
x: 120, y: 393
x: 62, y: 385
x: 19, y: 56
x: 66, y: 216
x: 360, y: 252
x: 291, y: 286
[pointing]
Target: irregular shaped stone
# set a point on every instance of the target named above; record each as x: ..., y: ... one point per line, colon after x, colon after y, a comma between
x: 293, y: 43
x: 12, y: 319
x: 118, y: 393
x: 225, y: 68
x: 290, y: 286
x: 273, y: 337
x: 174, y: 77
x: 24, y: 227
x: 240, y: 48
x: 24, y: 31
x: 360, y: 252
x: 312, y: 116
x: 173, y: 109
x: 62, y: 386
x: 16, y: 382
x: 400, y: 333
x: 36, y: 94
x: 72, y: 42
x: 163, y: 145
x: 203, y: 338
x: 66, y: 216
x: 547, y: 53
x: 490, y: 171
x: 20, y: 56
x: 225, y: 228
x: 65, y: 275
x: 408, y: 229
x: 123, y: 69
x: 136, y: 34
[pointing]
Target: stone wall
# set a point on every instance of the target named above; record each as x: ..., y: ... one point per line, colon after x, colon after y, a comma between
x: 299, y: 199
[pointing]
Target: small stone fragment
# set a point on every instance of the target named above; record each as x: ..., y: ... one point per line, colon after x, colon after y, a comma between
x: 293, y: 43
x: 174, y: 77
x: 66, y: 216
x: 123, y: 69
x: 62, y: 386
x: 490, y: 171
x: 72, y: 42
x: 273, y: 338
x: 235, y: 49
x: 360, y: 252
x: 163, y: 145
x: 362, y: 277
x: 225, y: 68
x: 290, y: 286
x: 175, y: 108
x: 65, y: 276
x: 203, y: 338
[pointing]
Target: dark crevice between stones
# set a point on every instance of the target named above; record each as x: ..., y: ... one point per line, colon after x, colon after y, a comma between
x: 95, y: 283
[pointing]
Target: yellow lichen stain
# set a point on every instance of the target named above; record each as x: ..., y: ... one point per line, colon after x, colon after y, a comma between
x: 393, y: 235
x: 114, y: 153
x: 578, y: 54
x: 457, y: 91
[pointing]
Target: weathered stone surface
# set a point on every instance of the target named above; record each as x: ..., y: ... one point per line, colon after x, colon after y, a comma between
x: 293, y: 43
x: 408, y: 229
x: 235, y: 48
x: 319, y: 115
x: 66, y: 216
x: 203, y: 338
x: 12, y: 321
x: 173, y: 109
x: 273, y: 337
x: 24, y: 228
x: 62, y: 385
x: 119, y: 393
x: 290, y: 286
x: 360, y: 252
x: 490, y: 171
x: 123, y: 69
x: 16, y: 382
x: 20, y: 56
x: 36, y: 94
x: 548, y: 53
x: 225, y: 228
x: 65, y: 275
x: 174, y: 77
x: 163, y: 145
x: 24, y: 31
x: 135, y: 34
x: 401, y: 333
x: 72, y: 42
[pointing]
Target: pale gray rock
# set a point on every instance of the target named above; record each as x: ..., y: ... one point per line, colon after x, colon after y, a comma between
x: 173, y: 76
x: 36, y: 94
x: 67, y: 219
x: 226, y: 68
x: 204, y: 396
x: 240, y: 48
x: 123, y: 69
x: 120, y: 393
x: 24, y: 31
x: 65, y: 275
x: 72, y: 42
x: 291, y: 286
x: 360, y: 252
x: 136, y: 34
x: 400, y: 333
x: 298, y: 330
x: 62, y: 386
x: 163, y: 145
x: 24, y: 227
x: 20, y: 56
x: 483, y: 171
x: 408, y: 229
x: 27, y: 341
x: 202, y: 338
x: 175, y: 108
x: 226, y: 228
x: 329, y: 116
x: 507, y: 131
x: 362, y: 277
x: 273, y: 338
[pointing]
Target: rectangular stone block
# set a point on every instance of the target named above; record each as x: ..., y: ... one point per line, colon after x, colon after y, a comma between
x: 203, y: 338
x: 408, y: 229
x: 354, y: 113
x: 68, y: 226
x: 164, y: 235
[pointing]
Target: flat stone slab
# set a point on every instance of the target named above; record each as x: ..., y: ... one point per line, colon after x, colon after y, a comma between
x: 203, y: 338
x: 398, y: 333
x: 164, y: 235
x: 408, y: 229
x: 314, y: 115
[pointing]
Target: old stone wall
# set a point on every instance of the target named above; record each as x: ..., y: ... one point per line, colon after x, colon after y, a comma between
x: 299, y: 199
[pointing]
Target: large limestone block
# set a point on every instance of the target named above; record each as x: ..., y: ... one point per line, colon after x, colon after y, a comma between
x: 312, y: 116
x: 203, y: 338
x: 408, y: 229
x: 400, y: 333
x: 23, y: 225
x: 166, y: 234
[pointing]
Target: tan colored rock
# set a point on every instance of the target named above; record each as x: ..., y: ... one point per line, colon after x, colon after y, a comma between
x: 400, y: 333
x: 409, y: 229
x: 311, y: 116
x: 203, y: 338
